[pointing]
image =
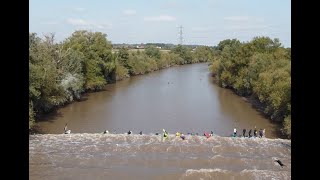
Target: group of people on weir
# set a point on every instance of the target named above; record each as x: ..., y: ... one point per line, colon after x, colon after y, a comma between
x: 165, y: 134
x: 262, y: 133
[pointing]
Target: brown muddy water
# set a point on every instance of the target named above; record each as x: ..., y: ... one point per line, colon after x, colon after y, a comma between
x: 182, y: 98
x: 177, y: 99
x: 121, y: 156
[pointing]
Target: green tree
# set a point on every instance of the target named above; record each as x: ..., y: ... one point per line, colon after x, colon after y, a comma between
x: 123, y: 55
x: 227, y: 42
x: 44, y: 89
x: 98, y: 63
x: 153, y: 52
x: 202, y: 54
x: 184, y: 53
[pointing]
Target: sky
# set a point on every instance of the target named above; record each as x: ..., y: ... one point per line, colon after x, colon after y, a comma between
x: 204, y: 22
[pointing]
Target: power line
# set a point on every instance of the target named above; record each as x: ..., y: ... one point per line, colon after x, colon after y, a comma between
x: 180, y: 35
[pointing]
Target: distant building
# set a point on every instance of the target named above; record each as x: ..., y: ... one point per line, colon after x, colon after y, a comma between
x: 140, y: 46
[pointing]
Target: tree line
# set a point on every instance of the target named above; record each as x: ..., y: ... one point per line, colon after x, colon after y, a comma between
x: 261, y: 69
x: 60, y: 72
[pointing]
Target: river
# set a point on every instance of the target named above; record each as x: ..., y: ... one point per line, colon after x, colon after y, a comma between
x: 182, y: 98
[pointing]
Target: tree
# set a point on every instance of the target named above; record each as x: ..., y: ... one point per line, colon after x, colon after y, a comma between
x: 98, y: 63
x: 202, y: 54
x: 44, y: 89
x: 227, y: 42
x: 153, y: 52
x: 184, y: 53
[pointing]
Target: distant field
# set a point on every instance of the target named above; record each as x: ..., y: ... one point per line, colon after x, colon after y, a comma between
x: 135, y: 50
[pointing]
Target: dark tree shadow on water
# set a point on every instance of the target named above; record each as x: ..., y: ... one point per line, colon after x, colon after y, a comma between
x: 278, y: 131
x: 49, y: 117
x: 84, y: 97
x: 36, y: 130
x: 44, y: 117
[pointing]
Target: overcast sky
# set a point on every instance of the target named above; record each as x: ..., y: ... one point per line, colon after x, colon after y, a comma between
x: 205, y: 22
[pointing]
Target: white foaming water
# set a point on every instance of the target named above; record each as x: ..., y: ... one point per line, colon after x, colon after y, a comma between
x: 191, y: 171
x: 69, y: 155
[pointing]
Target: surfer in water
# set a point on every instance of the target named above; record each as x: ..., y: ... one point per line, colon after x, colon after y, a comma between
x: 66, y: 131
x: 182, y: 137
x: 280, y: 163
x: 165, y: 134
x: 206, y: 135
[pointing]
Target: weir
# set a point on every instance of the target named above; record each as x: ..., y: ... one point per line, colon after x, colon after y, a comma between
x: 120, y: 156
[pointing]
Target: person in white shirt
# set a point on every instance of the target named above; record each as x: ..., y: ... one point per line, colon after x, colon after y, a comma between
x: 234, y: 132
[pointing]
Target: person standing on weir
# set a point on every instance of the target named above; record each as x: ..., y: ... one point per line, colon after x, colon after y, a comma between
x: 244, y: 132
x: 234, y: 132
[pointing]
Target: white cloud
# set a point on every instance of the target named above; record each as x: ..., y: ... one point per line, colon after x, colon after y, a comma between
x: 129, y: 12
x: 102, y: 26
x: 160, y: 18
x: 245, y: 23
x: 77, y: 22
x: 88, y: 24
